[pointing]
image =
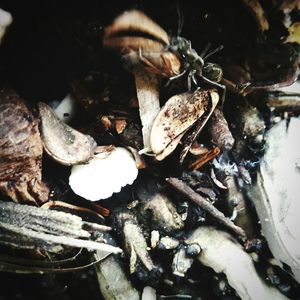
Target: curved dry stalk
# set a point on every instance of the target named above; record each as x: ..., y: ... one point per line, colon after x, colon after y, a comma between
x: 148, y: 98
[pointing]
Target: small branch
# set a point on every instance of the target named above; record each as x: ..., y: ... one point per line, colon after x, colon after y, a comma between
x: 60, y: 240
x: 204, y: 204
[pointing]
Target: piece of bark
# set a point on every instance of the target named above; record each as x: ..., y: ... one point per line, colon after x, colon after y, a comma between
x: 113, y: 280
x: 20, y: 151
x: 27, y: 227
x: 135, y: 245
x: 275, y: 194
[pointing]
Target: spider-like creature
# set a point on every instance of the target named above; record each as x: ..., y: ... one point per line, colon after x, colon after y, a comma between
x: 196, y: 65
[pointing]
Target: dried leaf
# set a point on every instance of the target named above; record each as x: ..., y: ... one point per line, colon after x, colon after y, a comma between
x: 20, y: 151
x: 170, y: 148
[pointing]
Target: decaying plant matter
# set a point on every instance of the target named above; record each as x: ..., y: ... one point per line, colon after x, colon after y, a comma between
x: 196, y: 163
x: 50, y: 229
x: 224, y: 254
x: 21, y: 151
x: 275, y: 195
x: 120, y: 35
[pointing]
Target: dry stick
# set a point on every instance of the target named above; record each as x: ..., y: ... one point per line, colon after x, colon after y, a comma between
x: 50, y: 203
x: 60, y: 240
x: 182, y: 187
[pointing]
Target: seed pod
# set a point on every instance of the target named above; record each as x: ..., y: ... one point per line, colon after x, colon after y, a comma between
x: 20, y: 151
x: 63, y: 143
x: 179, y: 114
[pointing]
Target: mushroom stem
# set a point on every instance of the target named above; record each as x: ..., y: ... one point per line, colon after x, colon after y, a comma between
x: 148, y: 98
x: 5, y: 20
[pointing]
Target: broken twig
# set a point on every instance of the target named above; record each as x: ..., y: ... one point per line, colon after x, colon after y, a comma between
x: 204, y: 204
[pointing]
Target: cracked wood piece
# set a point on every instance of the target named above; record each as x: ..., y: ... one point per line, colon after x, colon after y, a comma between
x: 28, y: 227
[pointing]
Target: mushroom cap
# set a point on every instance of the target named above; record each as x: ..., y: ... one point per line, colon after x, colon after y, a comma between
x: 105, y: 174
